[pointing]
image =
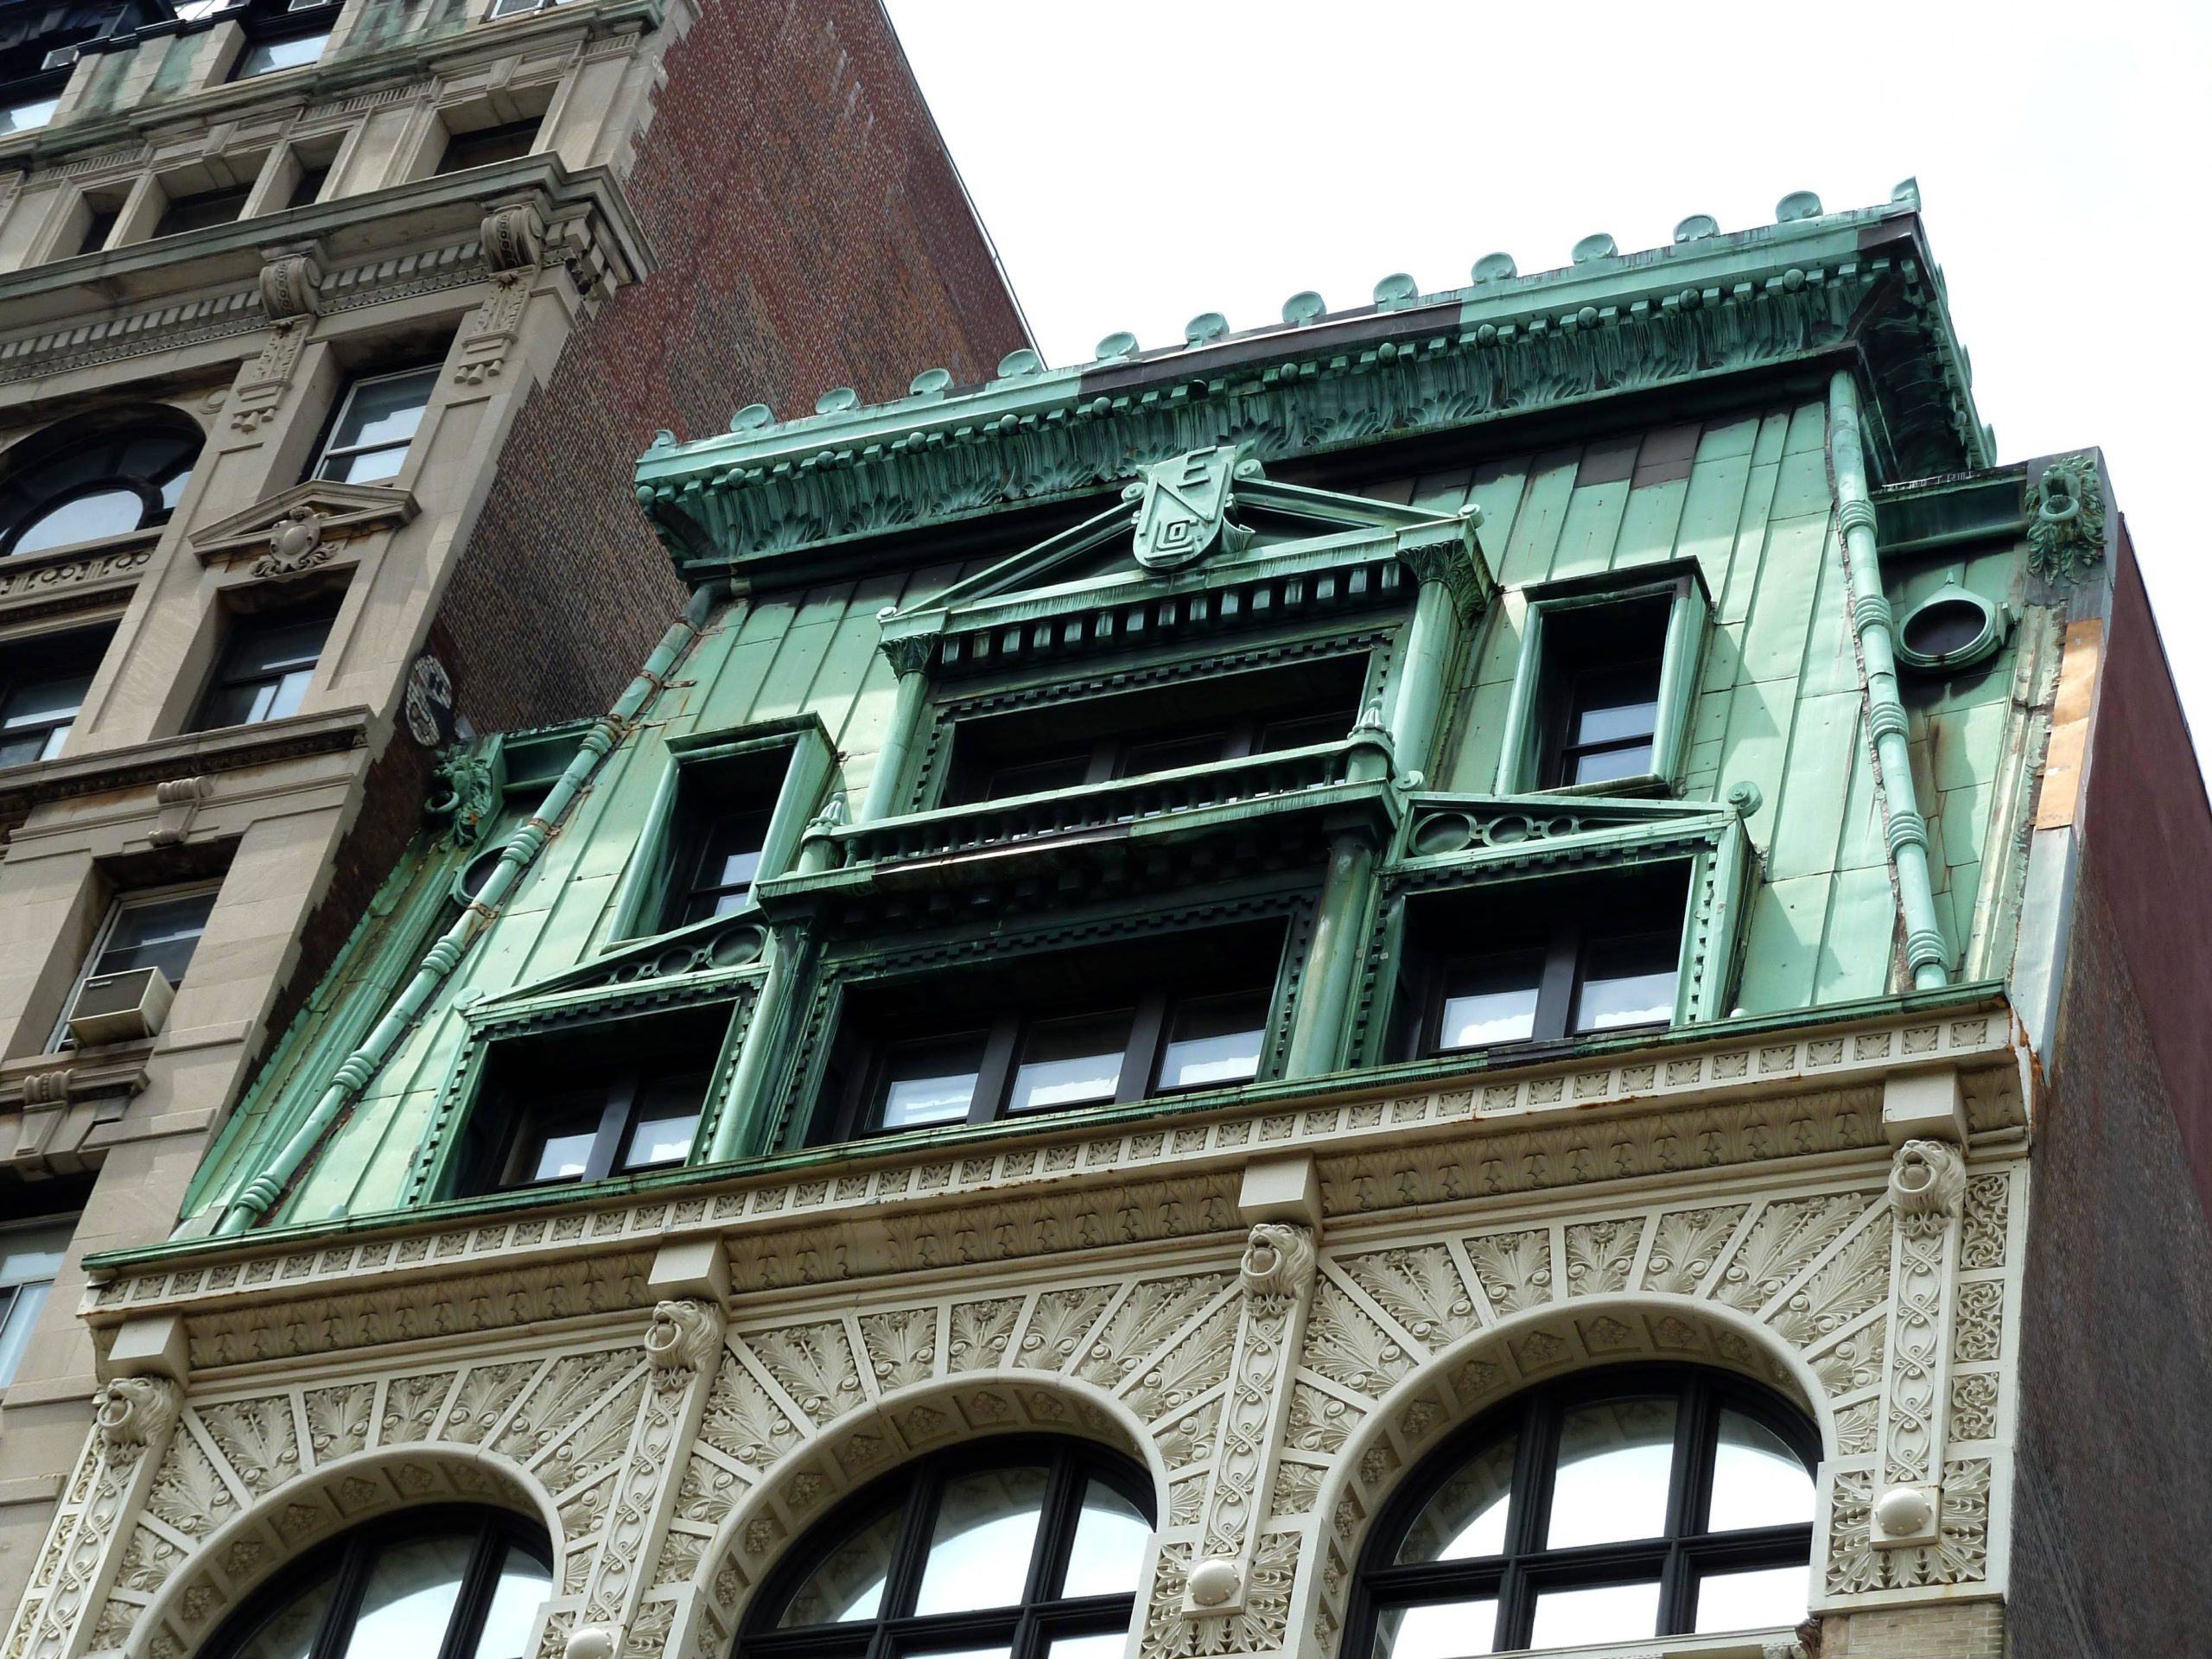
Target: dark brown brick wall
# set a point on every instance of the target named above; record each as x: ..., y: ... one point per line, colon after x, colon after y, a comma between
x: 2112, y: 1509
x: 811, y: 233
x: 2112, y: 1505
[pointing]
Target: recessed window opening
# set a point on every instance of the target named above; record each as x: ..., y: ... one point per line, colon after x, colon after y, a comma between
x: 720, y: 830
x: 306, y: 189
x: 1007, y: 1549
x: 1598, y: 703
x: 592, y: 1101
x: 1055, y: 1032
x: 43, y: 684
x: 1193, y: 723
x: 443, y: 1583
x: 1540, y: 961
x: 30, y: 1260
x: 201, y: 209
x: 1621, y: 1506
x: 375, y: 425
x: 282, y: 36
x: 99, y: 224
x: 482, y: 146
x: 267, y: 663
x: 158, y: 928
x: 85, y: 481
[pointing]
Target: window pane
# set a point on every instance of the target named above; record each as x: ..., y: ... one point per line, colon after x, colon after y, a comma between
x: 1108, y: 1644
x: 1610, y: 708
x: 1068, y: 1062
x: 930, y: 1083
x: 1603, y: 766
x: 277, y: 647
x: 1627, y: 983
x: 20, y: 1306
x: 283, y: 698
x: 1214, y: 1039
x: 1111, y: 1536
x: 1446, y: 1630
x: 384, y: 410
x: 1756, y: 1479
x: 1608, y: 1613
x: 158, y: 933
x: 1467, y: 1519
x: 1750, y: 1601
x: 265, y: 57
x: 1614, y: 1459
x: 104, y: 512
x: 1492, y: 1001
x: 848, y: 1585
x: 22, y: 117
x: 522, y: 1587
x: 288, y: 1632
x: 556, y: 1142
x: 668, y: 1118
x: 986, y: 1532
x: 960, y: 1653
x: 410, y: 1598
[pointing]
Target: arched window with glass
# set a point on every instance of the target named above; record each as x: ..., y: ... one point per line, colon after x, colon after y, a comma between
x: 1009, y: 1549
x: 1617, y: 1506
x: 427, y: 1583
x: 100, y: 476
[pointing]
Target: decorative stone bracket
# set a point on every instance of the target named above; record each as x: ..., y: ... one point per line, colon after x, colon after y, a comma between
x: 1278, y: 1278
x: 682, y: 1342
x: 1927, y: 1184
x: 176, y: 802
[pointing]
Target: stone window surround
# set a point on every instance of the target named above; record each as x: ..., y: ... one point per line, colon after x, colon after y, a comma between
x: 1688, y: 624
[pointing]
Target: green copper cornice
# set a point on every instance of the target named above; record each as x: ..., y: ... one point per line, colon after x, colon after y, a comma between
x: 1703, y: 308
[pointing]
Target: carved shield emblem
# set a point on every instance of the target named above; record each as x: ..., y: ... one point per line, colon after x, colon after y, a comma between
x: 1183, y: 503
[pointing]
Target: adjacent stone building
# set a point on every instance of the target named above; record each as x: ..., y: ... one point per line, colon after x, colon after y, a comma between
x: 1513, y: 969
x: 328, y: 335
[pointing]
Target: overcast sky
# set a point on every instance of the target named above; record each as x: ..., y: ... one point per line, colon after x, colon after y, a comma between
x: 1138, y: 162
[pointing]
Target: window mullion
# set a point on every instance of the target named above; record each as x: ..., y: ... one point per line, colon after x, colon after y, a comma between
x: 1141, y: 1059
x: 1555, y: 994
x: 613, y: 1119
x: 995, y: 1069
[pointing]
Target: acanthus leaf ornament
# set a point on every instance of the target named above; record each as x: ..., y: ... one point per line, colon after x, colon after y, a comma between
x: 2066, y: 521
x: 1183, y: 505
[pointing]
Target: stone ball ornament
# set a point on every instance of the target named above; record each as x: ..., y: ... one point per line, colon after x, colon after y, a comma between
x: 1214, y: 1582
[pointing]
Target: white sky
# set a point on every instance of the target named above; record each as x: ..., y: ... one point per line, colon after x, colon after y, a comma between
x: 1138, y: 162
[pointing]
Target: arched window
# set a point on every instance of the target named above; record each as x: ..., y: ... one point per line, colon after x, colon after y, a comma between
x: 424, y: 1584
x: 105, y: 475
x: 1617, y: 1506
x: 1011, y: 1549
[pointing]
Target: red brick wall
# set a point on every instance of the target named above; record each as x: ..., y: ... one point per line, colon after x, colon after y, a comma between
x: 811, y: 233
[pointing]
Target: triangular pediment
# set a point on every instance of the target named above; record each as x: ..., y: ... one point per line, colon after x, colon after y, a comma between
x: 317, y: 511
x: 1163, y: 527
x: 719, y: 944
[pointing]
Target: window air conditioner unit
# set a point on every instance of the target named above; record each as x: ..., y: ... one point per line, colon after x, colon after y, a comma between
x: 119, y: 1007
x: 60, y: 57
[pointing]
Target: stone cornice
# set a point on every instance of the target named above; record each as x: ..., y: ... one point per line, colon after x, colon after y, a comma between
x: 384, y: 243
x: 187, y: 754
x: 1725, y: 1100
x: 1671, y: 316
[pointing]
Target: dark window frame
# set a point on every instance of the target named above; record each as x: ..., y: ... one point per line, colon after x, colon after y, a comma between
x: 1686, y: 1550
x: 351, y: 1558
x: 191, y: 206
x: 503, y: 1103
x: 54, y: 659
x: 499, y: 134
x: 851, y: 1091
x: 1108, y: 754
x: 1026, y: 1629
x: 241, y: 627
x: 104, y: 446
x: 272, y: 22
x: 1566, y: 648
x: 1576, y: 927
x: 326, y: 447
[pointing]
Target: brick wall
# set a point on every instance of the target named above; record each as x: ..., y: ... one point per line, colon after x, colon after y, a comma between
x: 2112, y: 1525
x: 810, y: 233
x: 1970, y: 1630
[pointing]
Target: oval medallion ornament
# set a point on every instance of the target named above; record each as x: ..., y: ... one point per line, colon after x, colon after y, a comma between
x: 429, y: 703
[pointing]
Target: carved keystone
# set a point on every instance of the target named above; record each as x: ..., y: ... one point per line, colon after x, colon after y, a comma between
x: 1927, y: 1184
x: 683, y: 1336
x: 1277, y: 1260
x: 132, y: 1412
